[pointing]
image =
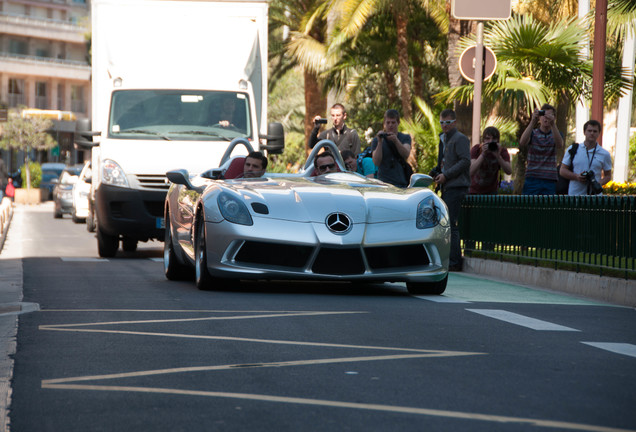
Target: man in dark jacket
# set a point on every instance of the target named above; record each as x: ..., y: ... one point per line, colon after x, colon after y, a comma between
x: 453, y: 176
x: 340, y: 134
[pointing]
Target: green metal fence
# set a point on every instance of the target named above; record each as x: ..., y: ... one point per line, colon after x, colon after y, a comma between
x: 586, y: 233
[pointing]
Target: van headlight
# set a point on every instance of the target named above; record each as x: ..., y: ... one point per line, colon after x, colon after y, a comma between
x: 233, y: 209
x: 112, y: 174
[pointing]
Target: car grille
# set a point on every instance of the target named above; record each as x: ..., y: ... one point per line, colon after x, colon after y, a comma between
x: 151, y: 181
x: 330, y: 260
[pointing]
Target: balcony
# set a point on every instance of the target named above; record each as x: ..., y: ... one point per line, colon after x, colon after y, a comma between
x: 41, y: 28
x: 17, y: 64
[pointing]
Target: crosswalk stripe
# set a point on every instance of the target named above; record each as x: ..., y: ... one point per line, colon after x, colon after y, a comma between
x: 521, y: 320
x: 618, y: 348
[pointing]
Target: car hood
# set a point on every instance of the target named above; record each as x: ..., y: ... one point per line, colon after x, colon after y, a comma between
x: 313, y: 199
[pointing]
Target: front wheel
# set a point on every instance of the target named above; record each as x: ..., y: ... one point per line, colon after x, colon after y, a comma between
x: 172, y: 268
x: 427, y: 288
x: 202, y: 276
x: 90, y: 222
x: 107, y: 244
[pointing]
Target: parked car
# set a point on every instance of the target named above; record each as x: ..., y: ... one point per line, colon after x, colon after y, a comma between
x: 63, y: 190
x: 338, y: 226
x: 81, y: 191
x: 51, y: 172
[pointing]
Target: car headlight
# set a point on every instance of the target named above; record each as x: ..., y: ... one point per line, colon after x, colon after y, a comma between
x: 233, y: 209
x: 429, y: 214
x: 112, y: 174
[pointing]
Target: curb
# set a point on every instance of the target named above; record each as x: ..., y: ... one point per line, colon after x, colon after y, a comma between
x: 6, y: 214
x: 612, y: 290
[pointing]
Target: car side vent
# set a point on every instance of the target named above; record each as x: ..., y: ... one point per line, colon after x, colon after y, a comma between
x: 260, y: 208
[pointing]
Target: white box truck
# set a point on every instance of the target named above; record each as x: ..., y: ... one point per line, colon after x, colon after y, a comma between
x: 173, y: 82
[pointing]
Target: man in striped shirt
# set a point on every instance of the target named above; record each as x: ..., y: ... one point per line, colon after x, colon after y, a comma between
x: 541, y: 144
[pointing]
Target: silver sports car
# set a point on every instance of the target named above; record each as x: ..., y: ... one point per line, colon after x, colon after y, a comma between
x: 334, y: 227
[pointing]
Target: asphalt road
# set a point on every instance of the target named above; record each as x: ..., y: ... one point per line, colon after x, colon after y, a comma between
x: 117, y: 347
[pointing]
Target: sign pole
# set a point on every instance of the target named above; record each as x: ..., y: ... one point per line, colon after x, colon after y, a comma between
x: 479, y: 78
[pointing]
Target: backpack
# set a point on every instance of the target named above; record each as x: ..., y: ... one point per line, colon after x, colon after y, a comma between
x: 367, y: 152
x: 563, y: 184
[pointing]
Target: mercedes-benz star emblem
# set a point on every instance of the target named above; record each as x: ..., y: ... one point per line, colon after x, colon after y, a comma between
x: 338, y: 223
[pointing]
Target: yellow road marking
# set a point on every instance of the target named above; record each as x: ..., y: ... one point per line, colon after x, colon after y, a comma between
x: 351, y: 405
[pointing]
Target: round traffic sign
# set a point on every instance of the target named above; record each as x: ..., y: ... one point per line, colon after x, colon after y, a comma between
x: 467, y: 63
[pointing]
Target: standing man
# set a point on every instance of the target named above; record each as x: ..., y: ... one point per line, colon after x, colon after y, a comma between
x: 391, y: 149
x: 589, y: 157
x: 487, y: 159
x: 541, y: 143
x: 453, y: 168
x: 340, y: 134
x: 255, y: 165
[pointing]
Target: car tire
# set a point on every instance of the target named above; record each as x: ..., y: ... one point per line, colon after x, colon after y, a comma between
x: 427, y: 288
x: 57, y: 214
x: 107, y: 244
x: 202, y: 277
x: 128, y: 244
x: 172, y: 268
x: 75, y: 218
x: 90, y: 222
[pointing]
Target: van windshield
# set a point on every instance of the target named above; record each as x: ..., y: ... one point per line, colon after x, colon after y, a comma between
x: 179, y: 115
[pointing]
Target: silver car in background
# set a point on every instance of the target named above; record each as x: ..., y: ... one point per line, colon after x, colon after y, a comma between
x: 333, y: 227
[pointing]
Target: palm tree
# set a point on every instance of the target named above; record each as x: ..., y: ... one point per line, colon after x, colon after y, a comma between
x: 355, y: 14
x: 305, y: 47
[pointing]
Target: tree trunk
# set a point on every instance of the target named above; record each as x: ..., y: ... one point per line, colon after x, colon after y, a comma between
x: 315, y: 103
x: 28, y: 172
x: 401, y: 21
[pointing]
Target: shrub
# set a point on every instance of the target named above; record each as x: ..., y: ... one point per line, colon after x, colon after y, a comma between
x: 613, y: 188
x: 36, y: 174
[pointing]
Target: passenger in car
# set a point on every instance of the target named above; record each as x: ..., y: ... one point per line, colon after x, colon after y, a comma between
x: 255, y: 165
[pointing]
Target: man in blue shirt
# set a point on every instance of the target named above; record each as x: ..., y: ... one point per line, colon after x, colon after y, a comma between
x: 366, y: 167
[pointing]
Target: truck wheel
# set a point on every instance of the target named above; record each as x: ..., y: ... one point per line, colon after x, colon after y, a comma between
x: 427, y: 288
x: 128, y: 244
x: 172, y: 268
x: 107, y: 245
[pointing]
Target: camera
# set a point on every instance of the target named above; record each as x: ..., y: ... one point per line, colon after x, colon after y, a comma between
x: 492, y: 146
x: 594, y: 186
x: 321, y: 121
x: 383, y: 134
x: 541, y: 113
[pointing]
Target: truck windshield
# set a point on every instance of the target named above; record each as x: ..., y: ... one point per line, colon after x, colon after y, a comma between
x: 179, y: 115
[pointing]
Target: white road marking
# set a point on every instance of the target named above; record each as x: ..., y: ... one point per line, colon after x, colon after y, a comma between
x: 618, y: 348
x: 554, y: 424
x: 521, y: 320
x: 441, y: 299
x: 83, y: 259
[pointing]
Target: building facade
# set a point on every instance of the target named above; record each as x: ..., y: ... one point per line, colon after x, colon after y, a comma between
x: 44, y: 65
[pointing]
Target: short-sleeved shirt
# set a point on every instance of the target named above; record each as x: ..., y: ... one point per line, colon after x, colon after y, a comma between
x: 390, y: 169
x: 597, y: 159
x: 367, y: 167
x: 486, y: 179
x: 542, y: 156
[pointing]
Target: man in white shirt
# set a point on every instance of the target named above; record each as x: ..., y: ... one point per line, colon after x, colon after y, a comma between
x: 590, y: 158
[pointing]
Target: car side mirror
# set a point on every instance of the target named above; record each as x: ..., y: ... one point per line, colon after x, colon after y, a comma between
x: 420, y: 180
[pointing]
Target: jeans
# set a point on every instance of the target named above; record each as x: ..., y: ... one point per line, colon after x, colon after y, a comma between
x: 453, y: 198
x: 537, y: 186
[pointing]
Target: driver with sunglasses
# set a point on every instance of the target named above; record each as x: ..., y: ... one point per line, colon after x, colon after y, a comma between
x: 325, y: 163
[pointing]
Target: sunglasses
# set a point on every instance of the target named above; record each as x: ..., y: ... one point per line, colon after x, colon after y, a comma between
x: 326, y: 167
x: 446, y: 122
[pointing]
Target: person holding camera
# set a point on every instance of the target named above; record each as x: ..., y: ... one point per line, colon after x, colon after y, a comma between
x: 591, y: 163
x: 391, y: 150
x: 541, y: 144
x: 486, y: 159
x: 340, y: 134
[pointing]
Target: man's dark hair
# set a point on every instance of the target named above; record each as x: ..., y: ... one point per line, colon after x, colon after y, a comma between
x: 548, y: 107
x: 491, y: 131
x: 448, y: 113
x: 339, y: 106
x: 392, y: 114
x: 592, y: 123
x: 260, y: 156
x: 346, y: 154
x: 326, y: 153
